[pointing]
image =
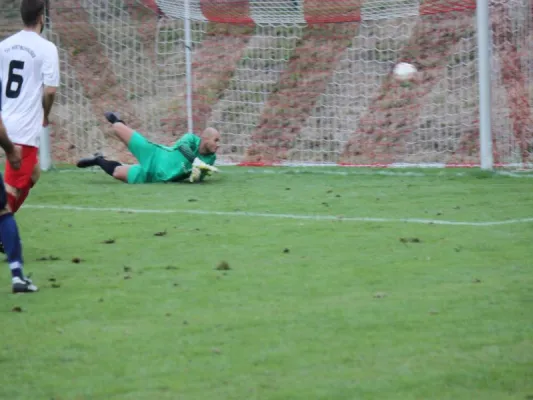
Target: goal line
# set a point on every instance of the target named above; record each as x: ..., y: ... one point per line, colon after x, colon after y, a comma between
x: 342, y: 171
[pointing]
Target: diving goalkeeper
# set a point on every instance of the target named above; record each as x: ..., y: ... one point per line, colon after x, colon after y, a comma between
x: 191, y: 157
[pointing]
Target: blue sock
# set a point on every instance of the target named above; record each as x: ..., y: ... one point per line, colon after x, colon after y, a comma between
x: 9, y: 236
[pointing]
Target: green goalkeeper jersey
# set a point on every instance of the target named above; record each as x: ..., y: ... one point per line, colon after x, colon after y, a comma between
x: 174, y: 166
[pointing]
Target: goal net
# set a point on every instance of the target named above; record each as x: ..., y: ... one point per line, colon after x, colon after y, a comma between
x: 295, y: 81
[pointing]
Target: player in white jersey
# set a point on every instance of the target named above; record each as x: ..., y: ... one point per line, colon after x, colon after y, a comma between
x: 9, y: 233
x: 29, y: 68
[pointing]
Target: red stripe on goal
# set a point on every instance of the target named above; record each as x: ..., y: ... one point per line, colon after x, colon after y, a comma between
x: 227, y: 11
x: 325, y: 11
x: 443, y: 6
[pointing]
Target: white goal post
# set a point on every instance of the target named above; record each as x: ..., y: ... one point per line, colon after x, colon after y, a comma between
x: 485, y: 106
x: 301, y: 82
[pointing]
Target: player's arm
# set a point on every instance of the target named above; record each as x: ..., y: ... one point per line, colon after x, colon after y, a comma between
x: 185, y: 149
x: 12, y: 153
x: 184, y: 146
x: 51, y: 81
x: 199, y: 168
x: 5, y: 142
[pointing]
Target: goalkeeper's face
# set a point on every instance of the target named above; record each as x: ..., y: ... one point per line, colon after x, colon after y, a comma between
x: 212, y: 140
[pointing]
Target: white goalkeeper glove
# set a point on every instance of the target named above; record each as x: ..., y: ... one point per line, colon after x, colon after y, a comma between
x: 202, y: 166
x: 195, y: 175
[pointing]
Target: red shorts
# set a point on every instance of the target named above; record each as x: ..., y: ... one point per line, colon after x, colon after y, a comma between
x: 21, y: 178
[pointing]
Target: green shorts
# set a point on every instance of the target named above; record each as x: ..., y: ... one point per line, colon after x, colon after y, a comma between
x: 156, y: 163
x: 137, y: 175
x: 146, y: 153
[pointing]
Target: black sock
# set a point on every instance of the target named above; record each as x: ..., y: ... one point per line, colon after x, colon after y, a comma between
x: 107, y: 165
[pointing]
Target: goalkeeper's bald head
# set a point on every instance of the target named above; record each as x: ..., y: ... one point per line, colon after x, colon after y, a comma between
x: 210, y: 140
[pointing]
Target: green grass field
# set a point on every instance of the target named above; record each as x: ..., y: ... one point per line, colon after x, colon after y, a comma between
x: 318, y: 303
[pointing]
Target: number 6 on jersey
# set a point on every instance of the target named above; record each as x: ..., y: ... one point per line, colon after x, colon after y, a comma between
x: 14, y: 78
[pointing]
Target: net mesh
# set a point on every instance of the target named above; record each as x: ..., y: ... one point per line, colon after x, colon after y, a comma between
x: 293, y: 81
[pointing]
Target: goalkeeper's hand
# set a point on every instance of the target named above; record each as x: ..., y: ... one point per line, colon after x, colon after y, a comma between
x: 112, y: 117
x: 202, y: 166
x: 196, y: 175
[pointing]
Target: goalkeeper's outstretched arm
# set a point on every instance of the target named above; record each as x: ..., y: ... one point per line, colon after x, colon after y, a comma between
x: 207, y: 147
x: 187, y: 152
x: 195, y: 161
x: 199, y: 168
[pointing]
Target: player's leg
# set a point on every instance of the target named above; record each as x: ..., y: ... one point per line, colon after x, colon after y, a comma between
x: 25, y: 191
x: 143, y: 150
x: 9, y: 235
x: 136, y: 143
x: 18, y: 183
x: 134, y: 174
x: 128, y: 173
x: 123, y: 173
x: 108, y: 166
x: 123, y: 132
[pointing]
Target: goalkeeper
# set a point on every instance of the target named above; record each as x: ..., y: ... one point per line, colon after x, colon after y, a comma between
x: 192, y: 157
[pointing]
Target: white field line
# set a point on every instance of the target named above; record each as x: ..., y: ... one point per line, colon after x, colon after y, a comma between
x: 301, y: 217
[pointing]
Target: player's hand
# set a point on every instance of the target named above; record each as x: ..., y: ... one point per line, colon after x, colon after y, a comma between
x: 112, y: 117
x: 196, y: 174
x: 45, y: 122
x: 197, y: 163
x: 15, y: 157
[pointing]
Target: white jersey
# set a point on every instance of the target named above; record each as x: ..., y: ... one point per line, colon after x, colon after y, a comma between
x: 28, y: 62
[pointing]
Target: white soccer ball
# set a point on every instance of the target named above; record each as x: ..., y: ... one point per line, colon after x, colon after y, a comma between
x: 404, y: 71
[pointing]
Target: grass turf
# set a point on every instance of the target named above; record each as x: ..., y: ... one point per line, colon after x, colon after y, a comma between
x: 309, y: 309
